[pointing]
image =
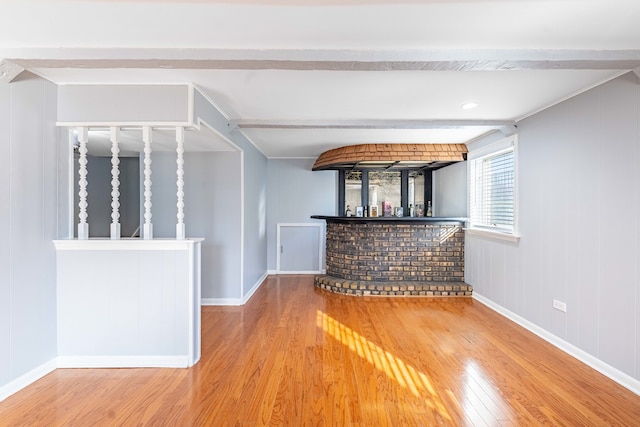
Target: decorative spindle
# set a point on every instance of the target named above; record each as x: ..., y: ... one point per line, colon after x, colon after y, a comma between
x: 115, y: 184
x: 83, y: 226
x: 148, y: 226
x: 180, y: 229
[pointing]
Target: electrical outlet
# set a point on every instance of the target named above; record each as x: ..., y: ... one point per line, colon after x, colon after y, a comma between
x: 559, y: 305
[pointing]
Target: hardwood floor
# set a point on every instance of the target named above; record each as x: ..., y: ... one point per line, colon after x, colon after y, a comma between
x: 298, y: 356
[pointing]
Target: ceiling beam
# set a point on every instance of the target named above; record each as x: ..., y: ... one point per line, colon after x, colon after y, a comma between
x: 370, y: 124
x: 330, y: 60
x: 8, y: 71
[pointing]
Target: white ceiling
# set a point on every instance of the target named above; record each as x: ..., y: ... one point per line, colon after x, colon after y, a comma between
x: 301, y: 77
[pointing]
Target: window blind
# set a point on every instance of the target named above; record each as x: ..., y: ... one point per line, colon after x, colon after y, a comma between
x: 492, y: 191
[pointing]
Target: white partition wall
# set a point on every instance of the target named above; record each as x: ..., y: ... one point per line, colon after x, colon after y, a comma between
x: 128, y: 303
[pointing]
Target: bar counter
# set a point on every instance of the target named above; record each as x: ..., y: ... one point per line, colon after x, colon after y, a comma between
x: 394, y: 256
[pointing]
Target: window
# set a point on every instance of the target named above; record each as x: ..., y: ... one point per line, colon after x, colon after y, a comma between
x: 353, y: 190
x: 492, y: 187
x: 398, y: 188
x: 384, y: 186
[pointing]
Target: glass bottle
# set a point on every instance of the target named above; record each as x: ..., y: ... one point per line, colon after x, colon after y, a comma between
x: 429, y: 211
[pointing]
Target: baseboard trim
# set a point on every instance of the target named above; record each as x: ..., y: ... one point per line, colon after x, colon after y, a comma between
x: 221, y: 301
x: 235, y: 301
x: 122, y: 361
x: 605, y: 369
x: 27, y: 379
x: 254, y: 288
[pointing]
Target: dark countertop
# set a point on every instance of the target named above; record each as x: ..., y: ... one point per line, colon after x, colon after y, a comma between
x: 392, y: 219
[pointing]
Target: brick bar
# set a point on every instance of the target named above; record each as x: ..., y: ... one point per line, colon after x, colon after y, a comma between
x: 394, y: 259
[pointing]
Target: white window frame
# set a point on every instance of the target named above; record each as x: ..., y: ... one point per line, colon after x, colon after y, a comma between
x: 483, y: 152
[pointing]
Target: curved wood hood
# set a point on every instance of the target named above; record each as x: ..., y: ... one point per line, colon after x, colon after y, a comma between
x: 391, y: 156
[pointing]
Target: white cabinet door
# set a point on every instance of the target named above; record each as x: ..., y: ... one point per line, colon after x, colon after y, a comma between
x: 299, y: 248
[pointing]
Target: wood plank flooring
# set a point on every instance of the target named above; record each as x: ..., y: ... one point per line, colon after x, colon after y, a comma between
x: 298, y: 356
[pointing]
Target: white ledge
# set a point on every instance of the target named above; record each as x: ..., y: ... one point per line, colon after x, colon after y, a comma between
x: 493, y: 235
x: 106, y: 244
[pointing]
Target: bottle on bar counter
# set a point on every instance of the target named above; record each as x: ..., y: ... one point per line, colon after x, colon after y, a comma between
x: 429, y: 211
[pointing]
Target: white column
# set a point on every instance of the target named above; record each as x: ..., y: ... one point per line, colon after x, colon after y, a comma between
x: 83, y: 226
x: 180, y: 229
x: 147, y: 230
x: 115, y: 184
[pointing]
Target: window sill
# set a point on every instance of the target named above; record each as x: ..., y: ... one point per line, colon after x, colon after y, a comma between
x: 493, y: 235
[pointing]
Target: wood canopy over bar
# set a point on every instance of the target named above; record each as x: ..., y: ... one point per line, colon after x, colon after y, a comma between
x: 391, y: 156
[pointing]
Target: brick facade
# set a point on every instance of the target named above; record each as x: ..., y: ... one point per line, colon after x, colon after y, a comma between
x: 395, y: 252
x: 394, y: 258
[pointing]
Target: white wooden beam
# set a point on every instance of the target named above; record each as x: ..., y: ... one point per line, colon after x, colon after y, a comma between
x: 367, y: 124
x: 336, y: 60
x: 9, y: 71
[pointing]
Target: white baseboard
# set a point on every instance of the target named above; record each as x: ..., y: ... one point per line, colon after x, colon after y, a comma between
x: 221, y: 301
x: 609, y: 371
x: 276, y: 272
x: 299, y: 272
x: 254, y: 288
x: 26, y: 379
x: 235, y: 301
x: 123, y: 361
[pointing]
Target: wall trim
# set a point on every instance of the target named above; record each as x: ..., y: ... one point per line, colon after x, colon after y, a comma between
x: 235, y: 301
x: 609, y: 371
x: 122, y: 361
x: 254, y: 288
x: 24, y: 380
x: 220, y: 301
x: 284, y: 273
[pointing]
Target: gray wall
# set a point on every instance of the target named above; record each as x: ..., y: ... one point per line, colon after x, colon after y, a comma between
x: 212, y: 210
x: 28, y: 224
x: 450, y: 191
x: 255, y: 217
x: 99, y: 196
x: 254, y: 189
x: 295, y: 193
x: 579, y: 206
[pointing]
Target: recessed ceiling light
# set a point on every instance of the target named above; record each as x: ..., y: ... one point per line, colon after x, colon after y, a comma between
x: 469, y: 105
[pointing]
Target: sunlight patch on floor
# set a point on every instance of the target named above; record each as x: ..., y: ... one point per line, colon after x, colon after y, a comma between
x: 405, y: 375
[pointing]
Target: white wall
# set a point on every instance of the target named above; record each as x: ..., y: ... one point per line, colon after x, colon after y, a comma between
x: 295, y: 192
x: 28, y: 225
x: 579, y: 221
x: 123, y: 103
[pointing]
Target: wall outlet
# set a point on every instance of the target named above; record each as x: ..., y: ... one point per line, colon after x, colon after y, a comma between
x: 559, y: 305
